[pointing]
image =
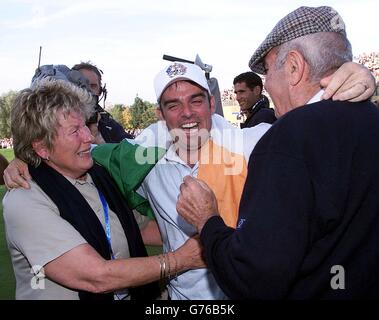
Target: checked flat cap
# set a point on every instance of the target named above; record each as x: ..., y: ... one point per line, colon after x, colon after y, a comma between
x: 298, y: 23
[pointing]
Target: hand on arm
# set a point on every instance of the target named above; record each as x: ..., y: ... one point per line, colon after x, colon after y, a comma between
x: 84, y: 269
x: 196, y: 202
x: 352, y: 82
x: 189, y: 255
x: 16, y: 175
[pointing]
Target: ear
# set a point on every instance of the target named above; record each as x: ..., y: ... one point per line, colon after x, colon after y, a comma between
x: 257, y: 90
x: 295, y: 67
x: 212, y: 102
x: 159, y: 113
x: 40, y: 149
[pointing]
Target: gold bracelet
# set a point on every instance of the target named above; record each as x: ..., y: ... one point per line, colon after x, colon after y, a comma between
x: 168, y: 265
x: 175, y: 267
x: 161, y: 267
x: 162, y: 264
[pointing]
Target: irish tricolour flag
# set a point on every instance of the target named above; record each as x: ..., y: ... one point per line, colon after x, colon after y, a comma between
x: 222, y: 162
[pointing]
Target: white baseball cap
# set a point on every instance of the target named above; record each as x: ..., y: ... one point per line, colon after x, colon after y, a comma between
x: 179, y: 71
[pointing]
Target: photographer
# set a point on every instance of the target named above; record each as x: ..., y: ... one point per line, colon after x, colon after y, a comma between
x: 102, y: 125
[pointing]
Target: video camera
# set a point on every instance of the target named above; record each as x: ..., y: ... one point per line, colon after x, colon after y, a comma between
x: 62, y: 72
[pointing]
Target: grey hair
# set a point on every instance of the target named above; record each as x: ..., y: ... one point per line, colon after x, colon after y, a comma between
x: 34, y: 114
x: 323, y: 51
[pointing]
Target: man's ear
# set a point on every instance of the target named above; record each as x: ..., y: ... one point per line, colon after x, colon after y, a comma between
x: 295, y: 67
x: 40, y: 149
x: 257, y: 91
x: 159, y: 113
x: 212, y: 103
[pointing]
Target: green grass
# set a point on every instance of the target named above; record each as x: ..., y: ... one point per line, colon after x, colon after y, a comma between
x: 7, y: 280
x: 7, y: 153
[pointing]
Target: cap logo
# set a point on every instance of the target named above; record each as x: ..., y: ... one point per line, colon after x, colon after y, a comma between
x: 176, y: 69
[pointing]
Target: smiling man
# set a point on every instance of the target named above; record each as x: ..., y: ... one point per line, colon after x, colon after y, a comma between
x: 254, y: 105
x: 186, y: 106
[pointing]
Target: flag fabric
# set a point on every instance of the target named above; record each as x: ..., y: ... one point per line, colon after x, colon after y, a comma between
x: 222, y: 162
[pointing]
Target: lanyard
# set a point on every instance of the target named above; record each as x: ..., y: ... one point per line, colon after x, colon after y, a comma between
x: 119, y: 295
x: 107, y: 223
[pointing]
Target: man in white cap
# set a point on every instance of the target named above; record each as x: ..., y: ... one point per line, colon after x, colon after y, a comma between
x: 186, y: 105
x: 308, y: 225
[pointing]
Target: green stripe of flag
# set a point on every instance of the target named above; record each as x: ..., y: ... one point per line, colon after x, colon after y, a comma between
x: 129, y: 164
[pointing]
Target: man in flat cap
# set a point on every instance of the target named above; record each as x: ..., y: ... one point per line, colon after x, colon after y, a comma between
x: 308, y: 225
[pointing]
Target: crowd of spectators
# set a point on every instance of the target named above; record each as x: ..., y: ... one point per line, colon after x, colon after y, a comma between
x: 371, y: 61
x: 228, y: 96
x: 6, y: 143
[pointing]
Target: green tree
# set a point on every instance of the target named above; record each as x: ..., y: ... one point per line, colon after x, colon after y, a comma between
x: 142, y: 114
x: 126, y: 118
x: 6, y: 101
x: 117, y: 113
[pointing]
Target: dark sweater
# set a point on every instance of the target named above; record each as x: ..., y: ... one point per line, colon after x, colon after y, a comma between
x: 310, y: 202
x: 261, y: 112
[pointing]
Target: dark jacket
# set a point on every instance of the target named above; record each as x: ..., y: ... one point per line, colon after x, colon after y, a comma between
x: 261, y: 112
x: 310, y: 206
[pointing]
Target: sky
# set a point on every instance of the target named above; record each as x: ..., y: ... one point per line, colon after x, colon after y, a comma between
x: 127, y: 39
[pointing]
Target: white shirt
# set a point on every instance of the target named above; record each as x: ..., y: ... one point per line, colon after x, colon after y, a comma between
x: 161, y: 187
x: 316, y: 97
